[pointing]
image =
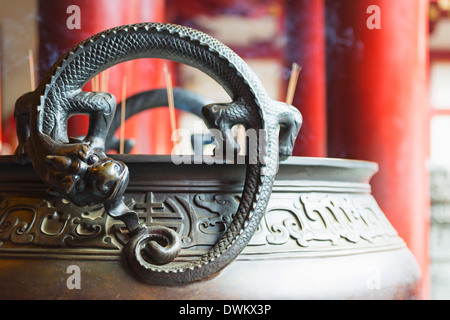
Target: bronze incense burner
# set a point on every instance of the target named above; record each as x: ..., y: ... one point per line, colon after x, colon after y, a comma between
x: 221, y: 226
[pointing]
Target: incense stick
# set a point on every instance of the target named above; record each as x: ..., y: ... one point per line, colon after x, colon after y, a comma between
x: 122, y: 115
x: 293, y: 82
x: 170, y: 99
x: 97, y: 82
x: 241, y: 139
x: 93, y: 84
x: 104, y: 81
x: 32, y: 75
x: 100, y: 82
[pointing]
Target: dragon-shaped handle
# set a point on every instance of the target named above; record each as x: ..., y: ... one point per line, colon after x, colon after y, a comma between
x: 80, y: 171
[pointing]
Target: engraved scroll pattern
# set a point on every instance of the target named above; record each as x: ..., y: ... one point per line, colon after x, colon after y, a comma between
x: 323, y: 219
x: 57, y: 223
x: 293, y: 221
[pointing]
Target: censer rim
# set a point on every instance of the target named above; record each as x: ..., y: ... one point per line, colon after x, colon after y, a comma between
x: 293, y: 160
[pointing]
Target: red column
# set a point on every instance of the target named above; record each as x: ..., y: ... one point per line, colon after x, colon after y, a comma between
x: 378, y: 106
x: 152, y: 127
x: 305, y: 27
x: 96, y: 16
x: 55, y: 37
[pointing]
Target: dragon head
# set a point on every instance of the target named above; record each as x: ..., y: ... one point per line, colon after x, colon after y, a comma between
x: 86, y: 177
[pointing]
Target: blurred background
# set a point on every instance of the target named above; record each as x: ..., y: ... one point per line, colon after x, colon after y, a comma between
x: 374, y: 85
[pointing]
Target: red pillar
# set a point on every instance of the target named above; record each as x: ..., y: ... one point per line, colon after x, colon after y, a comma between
x: 378, y: 106
x: 55, y: 37
x: 96, y: 16
x: 151, y: 128
x: 305, y: 27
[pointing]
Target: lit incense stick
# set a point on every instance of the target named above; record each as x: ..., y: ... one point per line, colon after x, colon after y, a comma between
x: 170, y: 99
x: 293, y: 82
x: 32, y: 75
x: 122, y: 115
